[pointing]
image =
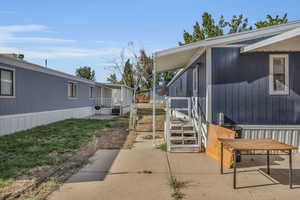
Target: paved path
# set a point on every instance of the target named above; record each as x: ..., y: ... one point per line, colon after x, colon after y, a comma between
x: 203, y: 179
x: 120, y: 174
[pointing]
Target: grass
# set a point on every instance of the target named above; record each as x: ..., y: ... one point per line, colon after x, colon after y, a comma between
x: 45, y: 145
x: 176, y: 185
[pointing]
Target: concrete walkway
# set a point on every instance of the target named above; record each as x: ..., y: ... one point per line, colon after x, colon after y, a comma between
x: 120, y: 174
x: 124, y: 174
x: 203, y: 180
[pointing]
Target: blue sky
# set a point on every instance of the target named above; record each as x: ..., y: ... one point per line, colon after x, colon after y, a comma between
x: 78, y: 33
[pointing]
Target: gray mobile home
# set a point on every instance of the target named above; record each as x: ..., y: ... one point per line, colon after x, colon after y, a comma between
x: 248, y: 80
x: 32, y: 95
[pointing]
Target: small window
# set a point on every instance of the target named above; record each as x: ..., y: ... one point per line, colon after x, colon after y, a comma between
x: 279, y: 75
x: 6, y: 83
x: 72, y: 90
x: 91, y: 92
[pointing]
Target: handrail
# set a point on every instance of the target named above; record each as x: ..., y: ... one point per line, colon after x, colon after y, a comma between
x: 199, y: 121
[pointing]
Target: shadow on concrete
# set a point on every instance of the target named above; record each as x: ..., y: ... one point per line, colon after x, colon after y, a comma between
x: 281, y: 175
x: 258, y: 160
x: 98, y: 168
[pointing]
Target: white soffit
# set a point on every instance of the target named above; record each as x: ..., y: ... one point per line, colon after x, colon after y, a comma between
x: 174, y: 61
x: 287, y: 41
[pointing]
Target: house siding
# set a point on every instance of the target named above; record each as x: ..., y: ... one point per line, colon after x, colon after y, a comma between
x: 241, y: 89
x: 37, y: 92
x: 187, y: 85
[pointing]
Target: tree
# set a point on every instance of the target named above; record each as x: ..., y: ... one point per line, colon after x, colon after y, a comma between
x: 272, y: 21
x: 86, y: 72
x: 238, y: 24
x: 113, y: 79
x: 128, y: 74
x: 146, y: 65
x: 166, y: 77
x: 207, y: 29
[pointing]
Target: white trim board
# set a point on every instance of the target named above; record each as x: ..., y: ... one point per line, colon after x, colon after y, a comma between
x: 278, y: 38
x: 208, y: 85
x: 257, y: 127
x: 19, y: 122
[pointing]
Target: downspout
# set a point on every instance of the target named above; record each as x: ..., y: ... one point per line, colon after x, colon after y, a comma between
x: 153, y: 101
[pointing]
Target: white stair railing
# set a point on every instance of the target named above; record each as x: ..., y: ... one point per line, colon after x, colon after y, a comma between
x: 199, y: 122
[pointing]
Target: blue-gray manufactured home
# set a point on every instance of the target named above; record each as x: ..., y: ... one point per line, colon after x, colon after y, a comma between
x: 32, y: 95
x: 248, y: 79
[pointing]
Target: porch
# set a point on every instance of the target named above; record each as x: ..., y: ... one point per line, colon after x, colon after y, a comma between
x: 113, y: 99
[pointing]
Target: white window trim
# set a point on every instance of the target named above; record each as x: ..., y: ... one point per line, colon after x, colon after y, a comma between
x: 14, y: 83
x: 271, y: 78
x: 195, y: 78
x: 76, y: 97
x: 94, y: 89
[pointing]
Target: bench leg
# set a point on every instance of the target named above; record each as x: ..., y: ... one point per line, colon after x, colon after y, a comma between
x: 268, y: 162
x: 234, y: 169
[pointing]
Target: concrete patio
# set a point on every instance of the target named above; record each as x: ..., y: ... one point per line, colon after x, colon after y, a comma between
x: 125, y: 174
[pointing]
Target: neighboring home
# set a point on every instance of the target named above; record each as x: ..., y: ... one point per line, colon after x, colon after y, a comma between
x: 32, y: 95
x: 248, y: 79
x: 113, y: 98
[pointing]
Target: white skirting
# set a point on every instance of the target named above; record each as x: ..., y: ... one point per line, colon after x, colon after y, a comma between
x: 104, y: 111
x: 282, y: 133
x: 13, y: 123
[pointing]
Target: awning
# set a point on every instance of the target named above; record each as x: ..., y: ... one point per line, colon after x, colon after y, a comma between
x: 284, y: 42
x: 172, y: 60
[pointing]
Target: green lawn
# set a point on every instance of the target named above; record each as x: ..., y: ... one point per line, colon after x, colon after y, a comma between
x: 45, y: 145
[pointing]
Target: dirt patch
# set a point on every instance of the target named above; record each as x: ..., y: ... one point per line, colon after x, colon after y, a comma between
x: 116, y: 139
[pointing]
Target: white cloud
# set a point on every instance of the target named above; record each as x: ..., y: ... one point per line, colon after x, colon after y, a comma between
x: 61, y: 52
x: 7, y: 34
x: 22, y: 28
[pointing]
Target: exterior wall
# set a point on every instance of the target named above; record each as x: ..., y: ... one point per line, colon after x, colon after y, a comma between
x: 187, y: 85
x: 38, y: 92
x: 285, y: 134
x: 202, y: 84
x: 187, y: 88
x: 241, y: 89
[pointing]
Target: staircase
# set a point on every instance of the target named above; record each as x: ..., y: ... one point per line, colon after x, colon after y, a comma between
x: 183, y: 136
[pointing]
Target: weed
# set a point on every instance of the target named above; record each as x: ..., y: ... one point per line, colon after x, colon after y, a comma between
x: 163, y: 147
x: 176, y: 185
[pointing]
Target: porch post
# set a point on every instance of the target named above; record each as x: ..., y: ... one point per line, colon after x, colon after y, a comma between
x: 153, y: 101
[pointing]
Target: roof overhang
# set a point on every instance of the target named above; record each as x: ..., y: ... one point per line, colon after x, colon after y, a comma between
x: 176, y: 60
x: 287, y: 41
x: 180, y: 57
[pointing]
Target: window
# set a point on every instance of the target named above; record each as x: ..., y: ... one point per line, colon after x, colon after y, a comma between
x: 72, y: 90
x: 6, y: 83
x: 91, y: 92
x: 279, y: 74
